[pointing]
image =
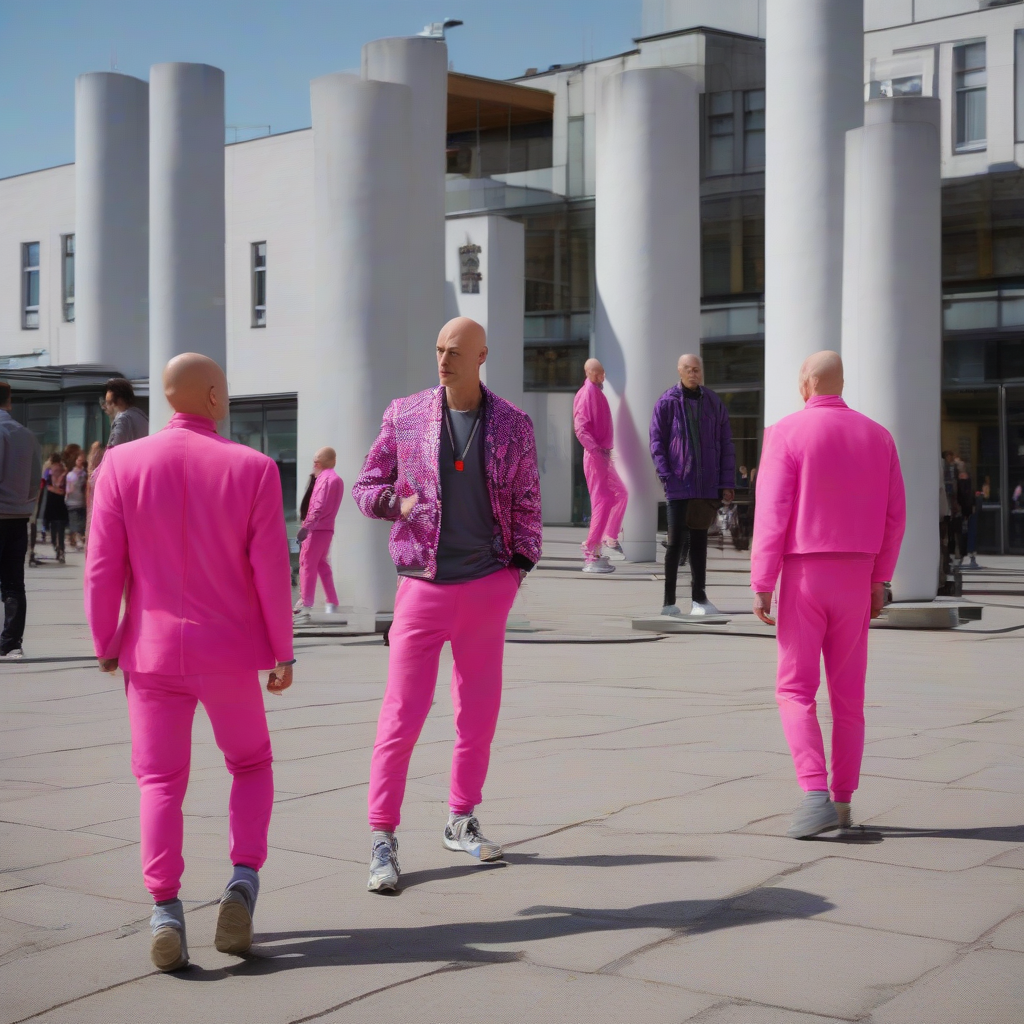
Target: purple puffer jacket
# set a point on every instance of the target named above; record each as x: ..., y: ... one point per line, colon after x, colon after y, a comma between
x: 672, y: 447
x: 403, y: 461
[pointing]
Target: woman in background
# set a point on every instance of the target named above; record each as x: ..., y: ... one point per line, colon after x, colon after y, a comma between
x: 74, y: 498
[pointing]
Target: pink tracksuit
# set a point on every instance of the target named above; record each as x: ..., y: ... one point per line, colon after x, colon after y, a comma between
x: 206, y: 581
x: 314, y: 555
x: 830, y: 515
x: 592, y: 421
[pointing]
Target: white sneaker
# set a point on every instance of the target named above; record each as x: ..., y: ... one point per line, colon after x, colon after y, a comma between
x: 297, y: 607
x: 14, y: 654
x: 303, y: 618
x: 671, y: 609
x: 703, y: 608
x: 615, y: 552
x: 462, y: 834
x: 330, y: 609
x: 384, y: 866
x: 599, y: 566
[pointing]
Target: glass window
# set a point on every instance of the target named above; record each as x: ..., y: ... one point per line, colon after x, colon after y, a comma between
x: 720, y: 133
x: 30, y: 286
x: 557, y: 367
x: 969, y: 82
x: 575, y: 172
x: 970, y: 427
x: 1018, y: 84
x: 271, y: 426
x: 732, y: 246
x: 732, y: 363
x: 259, y: 284
x: 68, y: 276
x: 753, y: 130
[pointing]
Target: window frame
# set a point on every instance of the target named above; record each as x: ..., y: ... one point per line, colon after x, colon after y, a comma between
x: 67, y: 302
x: 962, y: 90
x: 749, y: 131
x: 258, y: 278
x: 28, y: 310
x: 718, y: 119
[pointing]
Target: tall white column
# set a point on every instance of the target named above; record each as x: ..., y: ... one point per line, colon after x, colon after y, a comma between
x: 814, y: 57
x: 361, y: 195
x: 112, y: 222
x: 186, y: 220
x: 892, y: 309
x: 647, y: 263
x: 421, y: 64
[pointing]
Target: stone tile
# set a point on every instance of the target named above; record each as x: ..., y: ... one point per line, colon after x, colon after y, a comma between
x: 1009, y: 935
x: 802, y: 965
x: 747, y: 1013
x: 76, y: 807
x: 28, y: 846
x: 987, y: 985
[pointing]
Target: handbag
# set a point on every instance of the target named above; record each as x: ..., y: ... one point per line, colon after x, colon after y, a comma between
x: 701, y: 513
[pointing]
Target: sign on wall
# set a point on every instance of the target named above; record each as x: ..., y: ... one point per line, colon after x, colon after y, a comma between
x: 469, y: 268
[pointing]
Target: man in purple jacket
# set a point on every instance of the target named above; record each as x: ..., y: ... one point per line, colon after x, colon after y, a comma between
x: 691, y: 445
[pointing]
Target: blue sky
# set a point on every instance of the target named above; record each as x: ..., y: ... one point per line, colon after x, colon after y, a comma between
x: 269, y: 51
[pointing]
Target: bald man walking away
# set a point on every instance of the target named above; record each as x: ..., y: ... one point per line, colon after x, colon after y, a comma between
x: 315, y: 536
x: 592, y: 421
x: 829, y: 521
x: 189, y: 528
x: 455, y: 471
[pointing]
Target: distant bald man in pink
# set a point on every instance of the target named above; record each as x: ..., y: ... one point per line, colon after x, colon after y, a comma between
x: 829, y: 520
x: 188, y: 528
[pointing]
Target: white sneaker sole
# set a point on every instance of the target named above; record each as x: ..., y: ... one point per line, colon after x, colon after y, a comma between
x: 382, y: 884
x: 234, y: 927
x: 496, y: 853
x: 165, y: 950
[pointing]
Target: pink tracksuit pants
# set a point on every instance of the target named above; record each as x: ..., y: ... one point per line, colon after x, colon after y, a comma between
x: 160, y: 709
x: 608, y: 497
x: 315, y: 560
x: 824, y: 609
x: 473, y: 617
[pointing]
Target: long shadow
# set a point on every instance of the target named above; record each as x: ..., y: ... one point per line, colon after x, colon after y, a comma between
x: 413, y: 878
x: 458, y: 943
x: 993, y: 833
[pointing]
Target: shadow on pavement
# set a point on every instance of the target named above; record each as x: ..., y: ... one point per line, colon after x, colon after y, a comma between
x: 458, y: 943
x: 993, y: 833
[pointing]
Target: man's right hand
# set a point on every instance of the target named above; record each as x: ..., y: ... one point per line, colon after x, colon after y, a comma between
x: 408, y: 504
x: 108, y: 665
x: 763, y: 608
x: 280, y: 679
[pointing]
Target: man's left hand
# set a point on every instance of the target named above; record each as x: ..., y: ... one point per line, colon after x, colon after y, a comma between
x: 302, y: 534
x: 763, y: 608
x: 280, y: 679
x: 877, y: 599
x: 108, y: 665
x: 727, y: 496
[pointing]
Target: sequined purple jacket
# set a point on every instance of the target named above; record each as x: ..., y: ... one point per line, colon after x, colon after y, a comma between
x: 403, y: 461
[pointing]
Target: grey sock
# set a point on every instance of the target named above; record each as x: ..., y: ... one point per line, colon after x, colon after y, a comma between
x: 246, y: 881
x: 168, y: 914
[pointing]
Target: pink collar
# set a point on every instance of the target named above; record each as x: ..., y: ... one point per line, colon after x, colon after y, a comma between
x: 828, y: 401
x: 188, y: 421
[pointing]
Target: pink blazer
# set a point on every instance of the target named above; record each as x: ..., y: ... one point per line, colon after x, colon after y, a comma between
x: 829, y: 482
x: 189, y: 527
x: 324, y: 502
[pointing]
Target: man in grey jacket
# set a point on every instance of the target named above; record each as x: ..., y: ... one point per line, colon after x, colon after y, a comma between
x: 129, y: 421
x: 21, y: 468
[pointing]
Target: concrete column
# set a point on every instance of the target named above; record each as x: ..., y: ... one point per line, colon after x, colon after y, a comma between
x: 647, y: 265
x: 497, y: 245
x: 112, y: 222
x: 421, y: 64
x: 186, y: 220
x: 892, y: 309
x: 814, y: 83
x: 361, y: 196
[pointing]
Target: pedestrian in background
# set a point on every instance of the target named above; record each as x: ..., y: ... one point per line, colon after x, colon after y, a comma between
x: 315, y: 536
x: 56, y: 506
x: 128, y: 421
x: 92, y: 466
x: 74, y: 498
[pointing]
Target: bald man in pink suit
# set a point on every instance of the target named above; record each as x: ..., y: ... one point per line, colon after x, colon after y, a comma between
x: 829, y: 520
x: 189, y: 528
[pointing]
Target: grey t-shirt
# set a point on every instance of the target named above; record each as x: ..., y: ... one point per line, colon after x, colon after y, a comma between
x: 464, y: 550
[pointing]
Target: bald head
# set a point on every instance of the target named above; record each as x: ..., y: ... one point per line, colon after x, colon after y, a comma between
x: 594, y: 371
x: 691, y: 371
x: 325, y: 458
x: 195, y: 384
x: 461, y: 351
x: 821, y: 374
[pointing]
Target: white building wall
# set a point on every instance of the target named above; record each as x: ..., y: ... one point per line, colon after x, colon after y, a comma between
x: 745, y: 17
x: 37, y: 207
x: 269, y: 198
x: 551, y: 413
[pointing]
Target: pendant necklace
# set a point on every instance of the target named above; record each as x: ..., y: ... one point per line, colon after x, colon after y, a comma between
x: 460, y: 460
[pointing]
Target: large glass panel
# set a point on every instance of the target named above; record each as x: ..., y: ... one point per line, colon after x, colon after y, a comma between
x: 716, y: 247
x: 720, y: 132
x: 247, y: 424
x: 76, y: 415
x: 43, y: 419
x: 1015, y: 467
x: 753, y: 130
x: 969, y: 360
x: 575, y: 183
x: 282, y: 445
x: 554, y: 367
x: 971, y: 314
x: 753, y: 243
x: 732, y: 363
x: 970, y: 79
x: 745, y: 417
x: 970, y: 427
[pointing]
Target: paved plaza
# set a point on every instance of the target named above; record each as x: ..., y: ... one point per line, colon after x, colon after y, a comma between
x: 641, y: 786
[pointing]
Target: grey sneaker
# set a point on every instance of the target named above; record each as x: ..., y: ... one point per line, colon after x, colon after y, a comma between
x: 234, y: 916
x: 703, y: 608
x: 843, y: 813
x: 384, y: 866
x: 168, y: 949
x: 671, y: 609
x: 816, y: 814
x: 303, y: 618
x: 615, y: 552
x: 598, y: 565
x: 462, y: 834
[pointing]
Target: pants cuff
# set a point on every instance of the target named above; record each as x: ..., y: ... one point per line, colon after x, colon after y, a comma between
x: 842, y: 796
x: 376, y: 826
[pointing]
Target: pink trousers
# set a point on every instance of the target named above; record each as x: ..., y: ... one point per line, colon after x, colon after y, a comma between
x: 608, y: 497
x: 315, y: 560
x: 473, y: 617
x: 824, y: 609
x: 160, y: 709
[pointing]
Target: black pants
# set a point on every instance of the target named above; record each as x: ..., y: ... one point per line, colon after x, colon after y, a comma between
x: 13, y: 545
x: 57, y: 532
x: 679, y: 537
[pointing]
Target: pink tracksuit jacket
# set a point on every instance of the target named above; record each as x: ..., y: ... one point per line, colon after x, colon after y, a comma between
x: 324, y: 502
x: 829, y: 482
x: 189, y: 527
x: 592, y: 418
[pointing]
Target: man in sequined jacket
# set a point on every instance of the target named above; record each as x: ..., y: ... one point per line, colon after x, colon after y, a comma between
x: 455, y: 470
